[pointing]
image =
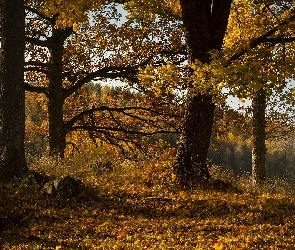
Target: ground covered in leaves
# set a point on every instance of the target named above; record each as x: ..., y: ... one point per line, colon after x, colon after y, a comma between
x: 140, y: 207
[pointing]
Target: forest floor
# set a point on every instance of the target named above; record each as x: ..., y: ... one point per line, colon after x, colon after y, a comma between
x: 140, y: 207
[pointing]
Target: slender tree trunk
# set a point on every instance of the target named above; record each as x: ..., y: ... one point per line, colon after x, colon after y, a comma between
x: 205, y: 23
x: 259, y: 147
x: 57, y: 133
x: 12, y: 92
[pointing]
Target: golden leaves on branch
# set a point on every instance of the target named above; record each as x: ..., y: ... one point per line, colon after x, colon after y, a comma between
x: 143, y: 10
x: 161, y: 80
x: 269, y: 63
x: 69, y: 13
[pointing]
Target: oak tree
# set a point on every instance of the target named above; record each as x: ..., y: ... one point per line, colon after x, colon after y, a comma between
x: 219, y: 57
x: 63, y: 56
x: 205, y: 23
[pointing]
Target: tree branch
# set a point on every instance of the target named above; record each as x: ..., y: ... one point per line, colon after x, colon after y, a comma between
x: 38, y: 42
x: 102, y: 129
x: 107, y: 72
x: 33, y: 10
x: 280, y: 39
x: 36, y: 63
x: 36, y: 89
x: 37, y: 69
x: 78, y: 117
x: 113, y: 72
x: 261, y: 39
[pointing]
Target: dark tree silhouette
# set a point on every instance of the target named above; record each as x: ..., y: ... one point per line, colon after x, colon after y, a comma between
x: 12, y: 93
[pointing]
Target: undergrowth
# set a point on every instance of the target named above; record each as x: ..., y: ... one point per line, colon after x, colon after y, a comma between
x: 137, y: 205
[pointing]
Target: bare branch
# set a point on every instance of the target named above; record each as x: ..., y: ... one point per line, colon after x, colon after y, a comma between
x: 36, y: 63
x: 37, y: 69
x: 280, y: 39
x: 36, y: 89
x: 34, y: 11
x: 102, y: 129
x: 38, y: 42
x: 107, y: 72
x: 70, y: 123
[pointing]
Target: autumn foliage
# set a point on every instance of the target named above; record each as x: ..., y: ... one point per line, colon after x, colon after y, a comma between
x: 122, y: 142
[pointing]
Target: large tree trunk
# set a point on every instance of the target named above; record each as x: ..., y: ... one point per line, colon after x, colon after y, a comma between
x: 205, y: 23
x: 259, y: 147
x: 57, y: 132
x: 12, y: 92
x: 191, y: 165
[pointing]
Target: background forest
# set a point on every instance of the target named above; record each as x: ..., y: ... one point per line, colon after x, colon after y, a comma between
x: 231, y: 151
x: 127, y: 103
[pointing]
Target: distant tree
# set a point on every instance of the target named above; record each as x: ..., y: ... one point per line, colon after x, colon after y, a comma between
x: 263, y: 69
x: 259, y: 136
x: 94, y: 87
x: 12, y: 93
x: 36, y: 125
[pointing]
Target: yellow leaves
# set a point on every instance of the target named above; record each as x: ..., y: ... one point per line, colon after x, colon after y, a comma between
x: 173, y: 177
x: 122, y: 233
x: 153, y: 167
x: 218, y: 246
x: 162, y: 80
x: 265, y: 196
x: 174, y: 5
x: 146, y: 10
x: 210, y: 78
x: 58, y: 247
x: 75, y: 26
x: 242, y: 100
x: 249, y: 20
x: 244, y: 23
x: 70, y: 12
x: 231, y: 136
x: 86, y: 238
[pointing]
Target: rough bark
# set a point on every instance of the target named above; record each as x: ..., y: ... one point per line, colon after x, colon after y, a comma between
x: 191, y: 165
x: 259, y: 147
x: 12, y: 93
x: 205, y: 23
x: 56, y: 97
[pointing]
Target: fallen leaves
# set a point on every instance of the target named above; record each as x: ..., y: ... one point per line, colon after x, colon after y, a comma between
x: 138, y: 217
